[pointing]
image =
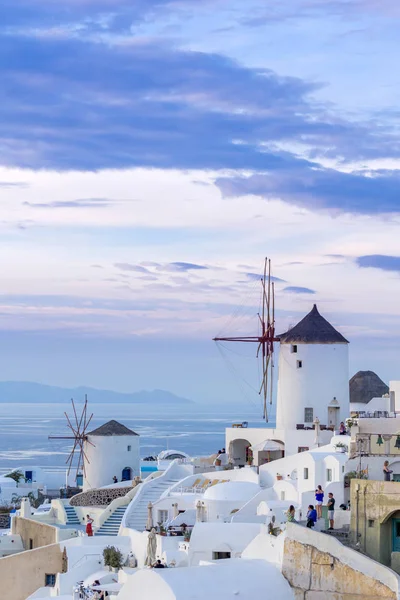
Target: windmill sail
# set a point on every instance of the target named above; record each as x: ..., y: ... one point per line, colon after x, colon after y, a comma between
x: 266, y: 339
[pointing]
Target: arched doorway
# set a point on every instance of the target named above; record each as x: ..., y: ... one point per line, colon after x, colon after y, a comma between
x: 240, y: 452
x: 126, y: 474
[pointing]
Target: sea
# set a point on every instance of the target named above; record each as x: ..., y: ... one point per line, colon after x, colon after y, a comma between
x: 25, y: 429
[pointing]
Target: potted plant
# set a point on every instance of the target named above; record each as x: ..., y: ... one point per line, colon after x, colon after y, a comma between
x: 161, y: 530
x: 186, y: 535
x: 340, y: 447
x: 112, y: 558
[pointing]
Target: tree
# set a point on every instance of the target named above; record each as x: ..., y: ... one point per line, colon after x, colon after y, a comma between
x: 17, y: 476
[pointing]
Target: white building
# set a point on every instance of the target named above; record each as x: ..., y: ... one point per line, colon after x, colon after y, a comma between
x: 112, y: 450
x: 313, y: 383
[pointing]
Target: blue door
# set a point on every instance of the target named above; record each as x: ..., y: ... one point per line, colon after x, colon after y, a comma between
x: 396, y: 535
x: 127, y: 474
x: 29, y: 476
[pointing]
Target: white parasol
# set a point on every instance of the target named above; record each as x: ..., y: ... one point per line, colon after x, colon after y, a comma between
x: 317, y: 431
x: 151, y: 548
x: 199, y: 512
x: 267, y: 446
x: 149, y: 523
x: 108, y: 587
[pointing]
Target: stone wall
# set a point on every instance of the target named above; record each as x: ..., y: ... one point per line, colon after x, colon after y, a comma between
x: 318, y: 567
x: 33, y: 533
x: 100, y: 497
x: 4, y: 520
x: 22, y: 574
x: 374, y: 505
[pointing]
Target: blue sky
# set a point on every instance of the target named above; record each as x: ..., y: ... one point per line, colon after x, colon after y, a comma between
x: 153, y: 152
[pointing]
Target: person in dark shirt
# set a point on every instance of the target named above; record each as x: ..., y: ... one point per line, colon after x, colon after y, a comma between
x: 159, y: 565
x: 331, y: 511
x: 311, y: 516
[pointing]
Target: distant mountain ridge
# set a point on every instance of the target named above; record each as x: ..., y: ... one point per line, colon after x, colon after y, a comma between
x: 30, y: 392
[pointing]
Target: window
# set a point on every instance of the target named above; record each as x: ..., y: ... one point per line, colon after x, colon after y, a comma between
x: 308, y: 415
x: 329, y: 474
x: 129, y: 448
x: 293, y: 348
x: 305, y: 473
x: 50, y: 580
x: 162, y: 516
x: 343, y: 469
x: 30, y: 544
x: 220, y: 555
x: 299, y: 364
x: 371, y: 523
x: 303, y: 449
x: 282, y: 495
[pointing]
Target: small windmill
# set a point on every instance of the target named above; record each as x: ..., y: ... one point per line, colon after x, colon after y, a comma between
x: 266, y: 338
x: 79, y: 435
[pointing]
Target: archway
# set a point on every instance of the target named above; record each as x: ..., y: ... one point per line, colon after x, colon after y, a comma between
x: 240, y: 452
x: 126, y: 474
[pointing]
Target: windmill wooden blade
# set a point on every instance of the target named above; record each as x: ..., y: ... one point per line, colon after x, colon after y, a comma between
x: 265, y: 340
x: 79, y: 436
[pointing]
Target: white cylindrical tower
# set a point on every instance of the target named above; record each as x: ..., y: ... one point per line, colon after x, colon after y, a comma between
x: 112, y: 450
x: 313, y: 378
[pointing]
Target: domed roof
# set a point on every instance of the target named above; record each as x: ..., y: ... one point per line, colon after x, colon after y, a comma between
x: 232, y: 491
x: 366, y: 385
x: 313, y: 329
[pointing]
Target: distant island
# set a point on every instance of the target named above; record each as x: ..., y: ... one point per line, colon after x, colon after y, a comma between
x: 29, y: 392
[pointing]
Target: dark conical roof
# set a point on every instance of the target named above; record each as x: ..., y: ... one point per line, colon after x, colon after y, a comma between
x: 313, y: 329
x: 112, y: 428
x: 366, y: 385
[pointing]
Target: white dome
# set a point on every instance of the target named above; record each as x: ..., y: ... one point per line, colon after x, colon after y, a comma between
x: 232, y: 491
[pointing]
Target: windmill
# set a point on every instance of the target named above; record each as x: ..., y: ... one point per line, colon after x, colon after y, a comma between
x: 79, y: 436
x: 265, y: 340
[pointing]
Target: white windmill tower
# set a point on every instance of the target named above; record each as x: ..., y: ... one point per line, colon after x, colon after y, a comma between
x: 313, y: 380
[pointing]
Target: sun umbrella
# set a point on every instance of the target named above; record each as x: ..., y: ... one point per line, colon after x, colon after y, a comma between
x: 108, y: 587
x: 149, y: 523
x: 151, y: 548
x: 176, y: 509
x: 317, y: 431
x: 199, y: 512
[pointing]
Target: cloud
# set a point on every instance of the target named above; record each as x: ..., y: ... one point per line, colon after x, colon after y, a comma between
x: 84, y: 203
x: 129, y: 267
x: 379, y: 261
x: 184, y: 266
x: 298, y: 290
x: 13, y: 184
x: 148, y: 104
x: 316, y: 188
x: 260, y: 276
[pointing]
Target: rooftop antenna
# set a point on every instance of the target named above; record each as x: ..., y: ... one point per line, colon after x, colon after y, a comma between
x: 267, y: 336
x: 79, y: 435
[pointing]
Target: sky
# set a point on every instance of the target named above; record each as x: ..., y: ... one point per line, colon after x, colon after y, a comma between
x: 152, y: 153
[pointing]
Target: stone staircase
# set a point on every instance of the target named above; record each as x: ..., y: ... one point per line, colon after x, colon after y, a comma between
x: 72, y: 517
x: 343, y: 536
x: 137, y: 517
x: 112, y: 524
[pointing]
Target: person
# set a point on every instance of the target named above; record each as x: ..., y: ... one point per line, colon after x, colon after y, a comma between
x: 290, y: 514
x: 331, y: 511
x: 386, y: 471
x: 319, y: 498
x: 115, y: 480
x: 159, y: 565
x: 223, y: 451
x: 342, y: 429
x: 311, y: 516
x: 89, y: 528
